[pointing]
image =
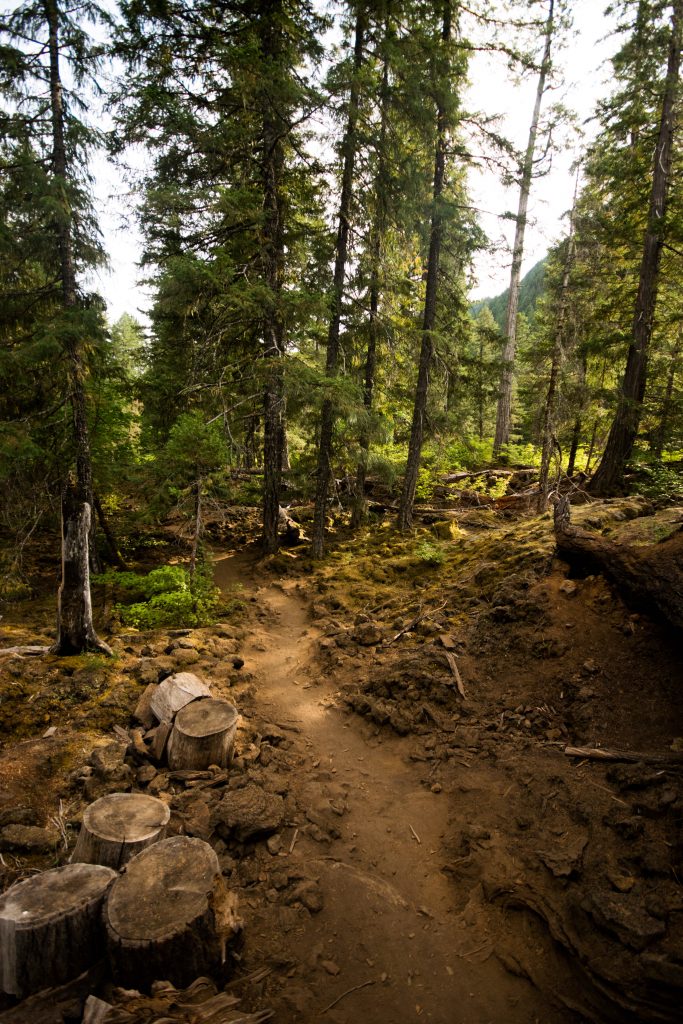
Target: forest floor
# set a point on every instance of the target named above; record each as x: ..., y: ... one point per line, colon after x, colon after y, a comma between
x: 414, y: 842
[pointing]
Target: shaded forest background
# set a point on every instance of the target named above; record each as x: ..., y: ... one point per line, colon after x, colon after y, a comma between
x: 309, y: 239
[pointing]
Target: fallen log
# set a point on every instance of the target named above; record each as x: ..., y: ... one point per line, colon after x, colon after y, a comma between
x: 117, y: 827
x: 651, y: 577
x: 51, y: 927
x: 203, y: 734
x: 169, y: 915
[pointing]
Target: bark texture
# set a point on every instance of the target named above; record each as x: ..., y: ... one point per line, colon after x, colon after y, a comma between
x: 504, y: 409
x: 203, y: 734
x: 650, y: 577
x: 51, y: 927
x: 609, y: 475
x: 405, y: 514
x: 327, y: 414
x: 75, y: 630
x: 159, y: 916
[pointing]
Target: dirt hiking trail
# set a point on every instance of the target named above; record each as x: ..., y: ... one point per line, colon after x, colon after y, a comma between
x: 389, y: 942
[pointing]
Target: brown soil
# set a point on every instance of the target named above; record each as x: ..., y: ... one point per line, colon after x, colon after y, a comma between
x: 440, y: 857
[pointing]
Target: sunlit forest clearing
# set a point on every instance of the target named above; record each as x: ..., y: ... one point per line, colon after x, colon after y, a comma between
x: 341, y: 609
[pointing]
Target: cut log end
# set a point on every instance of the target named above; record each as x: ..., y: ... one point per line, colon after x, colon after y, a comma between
x: 203, y: 734
x: 119, y: 826
x: 50, y: 927
x: 160, y: 915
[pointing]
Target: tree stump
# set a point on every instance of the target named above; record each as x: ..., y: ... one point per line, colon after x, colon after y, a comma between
x: 159, y: 916
x: 203, y: 734
x: 119, y: 826
x: 175, y: 693
x: 51, y: 927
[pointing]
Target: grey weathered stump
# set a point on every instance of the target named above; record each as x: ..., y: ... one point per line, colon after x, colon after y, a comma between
x: 159, y: 915
x: 203, y: 734
x: 117, y: 827
x: 174, y: 693
x: 51, y: 927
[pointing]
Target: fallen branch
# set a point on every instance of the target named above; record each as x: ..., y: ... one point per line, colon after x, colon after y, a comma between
x: 29, y: 651
x: 348, y: 992
x: 633, y: 756
x: 414, y: 622
x: 415, y: 835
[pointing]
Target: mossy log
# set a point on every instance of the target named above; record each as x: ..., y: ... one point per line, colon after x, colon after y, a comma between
x: 203, y: 734
x: 160, y: 916
x: 650, y: 577
x: 51, y: 927
x: 119, y: 826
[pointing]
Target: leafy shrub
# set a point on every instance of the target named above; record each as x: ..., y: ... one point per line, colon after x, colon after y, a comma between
x: 165, y: 597
x: 429, y: 554
x: 659, y: 483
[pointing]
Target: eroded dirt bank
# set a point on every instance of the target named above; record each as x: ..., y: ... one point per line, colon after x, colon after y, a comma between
x: 406, y: 835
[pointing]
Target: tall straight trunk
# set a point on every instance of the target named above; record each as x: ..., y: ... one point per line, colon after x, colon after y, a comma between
x: 75, y: 630
x: 66, y: 263
x: 273, y: 254
x: 622, y: 436
x: 504, y: 409
x: 327, y: 415
x: 377, y: 237
x: 667, y: 402
x: 576, y: 429
x: 548, y: 440
x: 405, y: 513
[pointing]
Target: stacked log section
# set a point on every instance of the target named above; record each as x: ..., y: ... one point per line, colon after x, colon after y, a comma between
x: 51, y: 927
x: 203, y: 734
x: 175, y: 693
x: 159, y: 917
x: 119, y: 826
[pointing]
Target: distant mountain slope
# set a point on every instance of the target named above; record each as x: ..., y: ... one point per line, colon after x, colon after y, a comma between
x: 531, y: 288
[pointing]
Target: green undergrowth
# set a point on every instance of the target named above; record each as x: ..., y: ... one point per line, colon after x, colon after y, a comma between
x: 381, y: 569
x: 165, y: 597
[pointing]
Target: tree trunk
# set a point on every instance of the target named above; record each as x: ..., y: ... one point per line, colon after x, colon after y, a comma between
x: 203, y: 734
x: 667, y: 403
x: 651, y: 577
x: 51, y: 927
x: 117, y: 827
x: 405, y: 514
x: 504, y: 409
x: 327, y: 415
x: 576, y: 430
x: 378, y: 232
x: 114, y: 553
x: 73, y: 342
x: 549, y: 440
x: 75, y: 630
x: 161, y: 917
x: 273, y: 255
x: 610, y: 473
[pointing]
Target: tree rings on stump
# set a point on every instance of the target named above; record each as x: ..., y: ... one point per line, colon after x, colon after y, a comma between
x: 51, y: 927
x: 159, y: 917
x: 203, y: 734
x: 119, y: 826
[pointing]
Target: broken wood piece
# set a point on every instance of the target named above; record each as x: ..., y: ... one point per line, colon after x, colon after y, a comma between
x: 51, y: 927
x: 415, y: 835
x: 26, y: 651
x: 450, y: 658
x: 203, y: 734
x: 159, y: 739
x: 634, y: 756
x: 143, y: 709
x: 119, y: 826
x: 159, y: 917
x: 56, y: 1005
x: 176, y: 692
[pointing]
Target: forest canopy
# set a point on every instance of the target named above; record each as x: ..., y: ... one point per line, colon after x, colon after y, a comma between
x: 309, y: 236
